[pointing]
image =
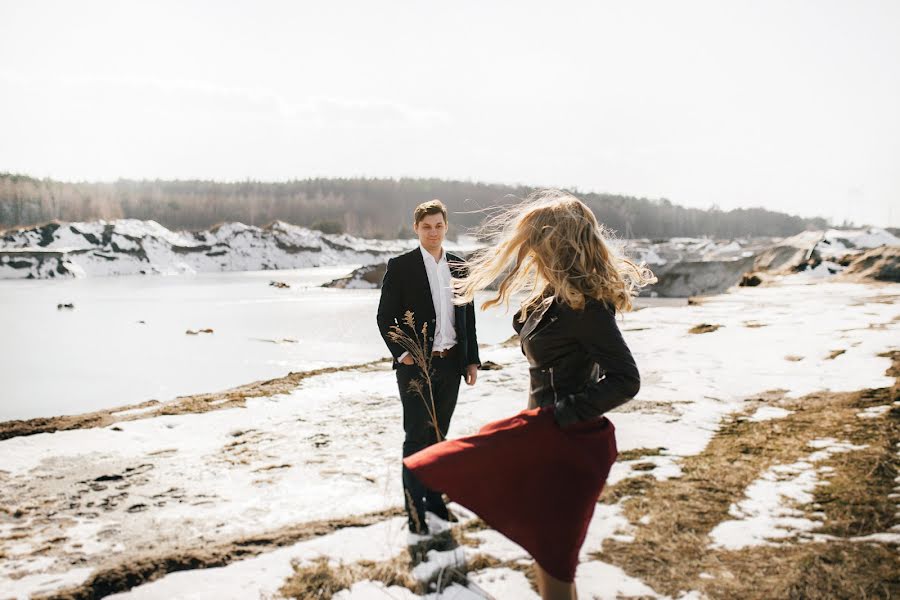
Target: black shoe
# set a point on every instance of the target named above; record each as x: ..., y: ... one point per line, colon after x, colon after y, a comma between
x: 418, y: 527
x: 415, y: 520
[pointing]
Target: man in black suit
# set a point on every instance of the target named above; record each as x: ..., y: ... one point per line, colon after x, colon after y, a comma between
x: 419, y: 281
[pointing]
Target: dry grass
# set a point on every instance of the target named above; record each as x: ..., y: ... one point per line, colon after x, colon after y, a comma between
x: 879, y: 299
x: 636, y: 486
x: 320, y: 580
x: 671, y: 551
x: 121, y: 573
x: 636, y: 453
x: 704, y: 328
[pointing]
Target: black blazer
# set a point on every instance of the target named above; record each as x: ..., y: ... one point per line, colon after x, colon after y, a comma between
x: 405, y: 287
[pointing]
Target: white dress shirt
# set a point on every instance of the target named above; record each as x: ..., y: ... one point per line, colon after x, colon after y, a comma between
x: 442, y: 296
x: 438, y: 272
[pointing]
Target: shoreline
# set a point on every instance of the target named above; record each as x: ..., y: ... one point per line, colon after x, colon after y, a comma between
x: 193, y: 403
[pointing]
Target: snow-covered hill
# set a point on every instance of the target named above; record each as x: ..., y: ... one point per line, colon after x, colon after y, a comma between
x: 697, y: 266
x: 131, y: 246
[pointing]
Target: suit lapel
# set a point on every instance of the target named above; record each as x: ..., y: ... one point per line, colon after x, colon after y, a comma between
x: 455, y: 263
x: 458, y: 270
x: 423, y: 281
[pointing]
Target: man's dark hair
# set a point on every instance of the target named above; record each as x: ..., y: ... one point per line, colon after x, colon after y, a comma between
x: 432, y: 207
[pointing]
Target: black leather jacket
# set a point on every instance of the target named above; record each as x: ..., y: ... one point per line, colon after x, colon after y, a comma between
x: 577, y: 359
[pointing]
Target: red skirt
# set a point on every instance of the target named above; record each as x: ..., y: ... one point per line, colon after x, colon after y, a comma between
x: 532, y: 481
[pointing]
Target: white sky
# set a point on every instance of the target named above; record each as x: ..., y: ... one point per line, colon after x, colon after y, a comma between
x: 791, y: 105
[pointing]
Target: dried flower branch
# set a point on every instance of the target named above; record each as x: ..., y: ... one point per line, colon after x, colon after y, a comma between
x: 418, y: 350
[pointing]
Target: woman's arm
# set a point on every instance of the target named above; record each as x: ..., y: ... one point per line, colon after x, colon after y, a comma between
x: 601, y: 339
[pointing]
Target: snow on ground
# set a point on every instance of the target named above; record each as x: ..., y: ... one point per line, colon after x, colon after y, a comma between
x: 504, y: 583
x: 608, y: 582
x: 838, y: 242
x: 873, y: 411
x: 767, y: 413
x: 768, y: 513
x: 823, y: 270
x: 331, y: 447
x: 264, y: 574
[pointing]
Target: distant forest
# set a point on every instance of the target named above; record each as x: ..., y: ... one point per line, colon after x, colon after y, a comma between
x: 376, y: 208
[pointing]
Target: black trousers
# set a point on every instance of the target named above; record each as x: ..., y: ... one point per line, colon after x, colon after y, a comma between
x: 419, y: 427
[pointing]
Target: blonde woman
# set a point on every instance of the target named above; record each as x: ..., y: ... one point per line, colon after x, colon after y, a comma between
x: 536, y: 477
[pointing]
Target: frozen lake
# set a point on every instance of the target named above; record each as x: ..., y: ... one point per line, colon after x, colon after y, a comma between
x: 125, y: 340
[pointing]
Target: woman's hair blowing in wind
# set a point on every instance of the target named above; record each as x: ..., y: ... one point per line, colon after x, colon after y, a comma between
x: 551, y: 244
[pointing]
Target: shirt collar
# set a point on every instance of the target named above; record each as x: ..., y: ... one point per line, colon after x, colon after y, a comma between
x: 427, y: 255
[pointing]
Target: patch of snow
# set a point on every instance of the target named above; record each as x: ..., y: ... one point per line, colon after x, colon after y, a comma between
x: 497, y: 545
x: 437, y: 561
x: 803, y: 240
x: 874, y: 411
x: 823, y: 270
x: 730, y: 249
x: 264, y: 574
x: 371, y: 590
x: 878, y: 538
x: 849, y: 240
x: 763, y: 515
x: 602, y: 581
x: 504, y: 583
x: 766, y: 413
x: 652, y: 258
x: 691, y: 595
x: 608, y: 522
x: 136, y: 411
x: 44, y: 583
x: 456, y: 592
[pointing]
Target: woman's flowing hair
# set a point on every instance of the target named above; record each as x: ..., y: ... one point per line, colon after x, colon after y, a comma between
x: 551, y: 244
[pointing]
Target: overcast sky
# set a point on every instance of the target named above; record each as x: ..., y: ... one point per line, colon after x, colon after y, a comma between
x: 791, y: 105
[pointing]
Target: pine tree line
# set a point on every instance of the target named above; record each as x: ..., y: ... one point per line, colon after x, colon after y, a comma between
x: 379, y: 208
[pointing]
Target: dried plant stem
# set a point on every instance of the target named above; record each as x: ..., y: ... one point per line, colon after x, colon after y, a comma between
x: 418, y: 350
